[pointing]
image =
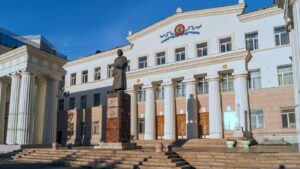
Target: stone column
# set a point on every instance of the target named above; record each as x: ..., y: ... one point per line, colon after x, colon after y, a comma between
x: 241, y: 100
x: 215, y: 110
x: 133, y: 113
x: 149, y: 114
x: 3, y: 93
x: 25, y: 114
x: 50, y: 118
x: 169, y: 112
x: 40, y: 110
x: 13, y: 109
x: 191, y: 109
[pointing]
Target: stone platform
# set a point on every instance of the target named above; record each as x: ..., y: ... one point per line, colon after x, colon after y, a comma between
x: 116, y: 146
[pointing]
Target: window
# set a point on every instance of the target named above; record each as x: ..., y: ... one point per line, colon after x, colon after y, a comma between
x: 180, y: 89
x: 141, y: 95
x: 202, y: 86
x: 180, y: 54
x: 96, y: 127
x: 72, y: 103
x: 128, y: 65
x: 251, y: 41
x: 227, y: 82
x: 201, y: 49
x: 257, y: 119
x: 97, y: 99
x: 142, y: 62
x: 110, y: 70
x: 161, y: 58
x: 97, y: 73
x: 85, y: 75
x: 141, y: 125
x: 254, y: 79
x: 225, y: 45
x: 160, y: 93
x: 83, y: 102
x: 288, y: 118
x: 281, y: 36
x: 73, y: 79
x: 61, y: 105
x: 285, y: 75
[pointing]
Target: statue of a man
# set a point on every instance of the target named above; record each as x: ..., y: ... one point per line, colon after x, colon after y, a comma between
x: 119, y: 72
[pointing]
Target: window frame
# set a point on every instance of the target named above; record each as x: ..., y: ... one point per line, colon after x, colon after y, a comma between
x: 94, y: 100
x: 229, y: 78
x: 97, y: 73
x: 288, y: 117
x: 110, y: 70
x: 180, y: 88
x: 201, y: 49
x: 205, y: 89
x: 280, y: 35
x: 73, y: 105
x: 254, y: 40
x: 251, y: 80
x: 83, y: 102
x: 162, y: 58
x: 73, y: 79
x: 181, y: 52
x: 159, y: 93
x: 226, y: 43
x: 84, y: 76
x: 144, y: 63
x: 141, y: 95
x: 281, y: 76
x: 97, y: 125
x: 257, y: 118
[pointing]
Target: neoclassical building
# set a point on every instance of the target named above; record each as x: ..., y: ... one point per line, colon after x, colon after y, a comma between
x: 30, y: 73
x: 208, y: 73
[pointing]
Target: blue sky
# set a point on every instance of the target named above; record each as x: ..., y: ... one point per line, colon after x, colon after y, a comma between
x: 79, y: 27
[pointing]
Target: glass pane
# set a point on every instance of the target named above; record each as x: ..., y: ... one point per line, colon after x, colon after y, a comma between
x: 292, y: 117
x: 284, y: 120
x: 253, y: 122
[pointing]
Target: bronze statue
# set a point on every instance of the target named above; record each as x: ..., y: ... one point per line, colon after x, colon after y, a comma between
x: 119, y: 72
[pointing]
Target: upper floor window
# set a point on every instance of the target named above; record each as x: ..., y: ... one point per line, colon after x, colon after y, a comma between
x: 257, y: 119
x: 142, y: 62
x: 97, y: 99
x: 97, y: 74
x: 180, y: 54
x: 73, y: 79
x: 285, y: 75
x: 160, y: 93
x: 72, y: 103
x: 141, y: 95
x: 61, y: 103
x: 128, y: 65
x: 254, y: 79
x: 225, y: 45
x: 288, y: 118
x: 251, y: 41
x: 161, y: 58
x: 202, y: 49
x: 281, y: 36
x: 85, y: 76
x: 141, y: 125
x: 227, y: 82
x: 83, y: 102
x: 202, y: 86
x: 110, y: 70
x: 180, y: 89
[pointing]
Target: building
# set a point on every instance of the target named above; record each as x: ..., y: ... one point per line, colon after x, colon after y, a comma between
x: 200, y: 74
x: 292, y: 18
x: 30, y: 72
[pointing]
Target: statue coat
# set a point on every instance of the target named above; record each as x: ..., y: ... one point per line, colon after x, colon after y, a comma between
x: 119, y: 73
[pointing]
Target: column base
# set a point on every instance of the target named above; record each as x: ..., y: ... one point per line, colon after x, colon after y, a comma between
x: 170, y: 136
x: 149, y: 137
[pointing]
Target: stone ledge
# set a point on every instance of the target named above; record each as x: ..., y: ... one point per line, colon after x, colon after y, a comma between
x: 116, y: 146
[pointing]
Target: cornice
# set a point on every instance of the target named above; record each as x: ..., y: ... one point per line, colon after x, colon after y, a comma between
x: 260, y: 14
x: 209, y: 60
x: 98, y: 55
x: 13, y: 54
x: 185, y: 15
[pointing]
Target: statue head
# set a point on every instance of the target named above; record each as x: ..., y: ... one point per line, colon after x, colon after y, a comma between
x: 120, y: 52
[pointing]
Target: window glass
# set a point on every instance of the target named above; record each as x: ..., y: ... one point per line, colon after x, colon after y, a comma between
x: 142, y: 62
x: 83, y: 102
x: 73, y: 79
x: 72, y: 103
x: 97, y: 73
x: 180, y: 54
x: 202, y: 49
x: 160, y: 93
x: 180, y: 89
x: 161, y: 58
x: 97, y: 99
x: 285, y: 75
x: 225, y: 45
x: 110, y: 70
x: 141, y: 95
x: 257, y: 119
x: 251, y: 41
x: 202, y: 86
x: 254, y: 79
x: 84, y: 76
x: 288, y: 118
x: 281, y: 36
x: 227, y: 82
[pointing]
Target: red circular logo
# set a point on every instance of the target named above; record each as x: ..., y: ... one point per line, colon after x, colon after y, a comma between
x: 179, y: 29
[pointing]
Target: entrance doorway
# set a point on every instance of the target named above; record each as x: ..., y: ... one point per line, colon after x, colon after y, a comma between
x: 203, y: 124
x: 181, y: 126
x: 159, y: 127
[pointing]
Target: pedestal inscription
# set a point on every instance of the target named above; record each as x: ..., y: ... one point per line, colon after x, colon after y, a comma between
x: 118, y: 118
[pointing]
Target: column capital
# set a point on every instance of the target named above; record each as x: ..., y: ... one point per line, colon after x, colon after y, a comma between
x: 240, y: 75
x: 26, y: 73
x: 15, y: 75
x: 190, y: 81
x: 167, y: 83
x: 213, y: 78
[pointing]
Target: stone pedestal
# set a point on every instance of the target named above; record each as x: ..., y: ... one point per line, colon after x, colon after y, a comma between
x: 118, y: 118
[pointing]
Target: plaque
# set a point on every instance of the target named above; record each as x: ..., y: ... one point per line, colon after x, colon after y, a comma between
x: 113, y: 102
x: 112, y: 112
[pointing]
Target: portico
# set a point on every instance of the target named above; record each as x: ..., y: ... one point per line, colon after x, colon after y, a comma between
x: 32, y: 76
x: 212, y: 71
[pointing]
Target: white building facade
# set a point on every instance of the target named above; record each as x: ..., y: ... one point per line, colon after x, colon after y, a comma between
x: 198, y: 74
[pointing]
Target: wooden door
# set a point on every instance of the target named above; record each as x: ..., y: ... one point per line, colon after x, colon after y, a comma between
x: 159, y: 127
x: 181, y: 125
x: 204, y: 124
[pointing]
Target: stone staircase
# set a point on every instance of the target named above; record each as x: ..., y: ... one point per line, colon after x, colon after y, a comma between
x: 247, y: 160
x: 109, y: 159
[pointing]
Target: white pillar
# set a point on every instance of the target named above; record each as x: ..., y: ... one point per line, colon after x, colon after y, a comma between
x: 13, y: 109
x: 50, y: 118
x: 191, y: 109
x: 25, y: 115
x: 241, y: 100
x: 169, y: 112
x: 215, y: 110
x: 149, y: 114
x: 3, y: 93
x: 40, y: 110
x: 133, y: 113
